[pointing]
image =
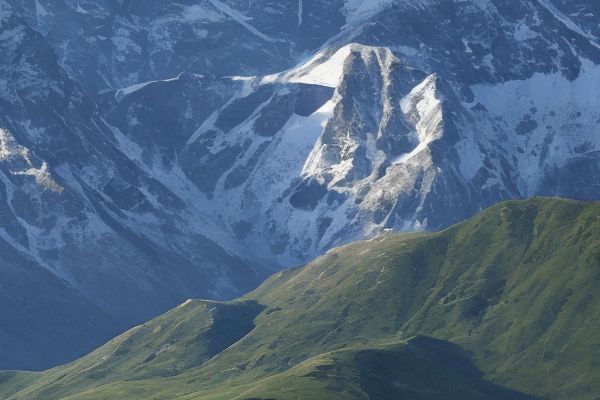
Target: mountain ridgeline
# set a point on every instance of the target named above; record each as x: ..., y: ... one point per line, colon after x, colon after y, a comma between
x: 502, y: 306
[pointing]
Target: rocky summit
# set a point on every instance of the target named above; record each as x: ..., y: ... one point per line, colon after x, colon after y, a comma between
x: 152, y: 152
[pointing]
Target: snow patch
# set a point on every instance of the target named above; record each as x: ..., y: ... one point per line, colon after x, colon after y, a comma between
x: 325, y: 68
x: 11, y: 150
x: 121, y: 93
x: 423, y: 106
x: 200, y: 13
x: 568, y: 22
x: 533, y: 120
x: 240, y: 19
x: 40, y: 11
x: 358, y: 10
x: 324, y: 73
x: 523, y: 32
x: 300, y: 12
x: 295, y: 140
x: 13, y: 33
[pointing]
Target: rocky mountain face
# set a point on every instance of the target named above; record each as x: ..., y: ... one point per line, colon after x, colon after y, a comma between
x: 157, y: 151
x: 76, y: 207
x: 112, y: 44
x: 421, y: 127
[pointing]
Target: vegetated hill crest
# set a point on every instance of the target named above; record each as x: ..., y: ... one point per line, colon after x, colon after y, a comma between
x: 511, y: 292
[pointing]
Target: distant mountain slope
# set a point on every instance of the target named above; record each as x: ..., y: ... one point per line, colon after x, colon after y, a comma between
x: 515, y: 287
x: 110, y: 44
x: 33, y: 300
x: 83, y: 228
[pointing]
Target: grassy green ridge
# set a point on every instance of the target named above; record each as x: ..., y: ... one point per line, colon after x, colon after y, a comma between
x: 179, y: 340
x: 12, y: 382
x: 515, y: 287
x: 419, y: 369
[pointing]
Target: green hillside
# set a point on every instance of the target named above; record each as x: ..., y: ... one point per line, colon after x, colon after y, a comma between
x: 506, y: 300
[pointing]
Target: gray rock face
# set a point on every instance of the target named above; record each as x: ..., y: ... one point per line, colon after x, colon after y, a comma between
x: 121, y: 245
x: 113, y: 44
x: 155, y: 151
